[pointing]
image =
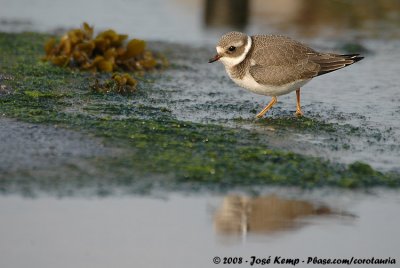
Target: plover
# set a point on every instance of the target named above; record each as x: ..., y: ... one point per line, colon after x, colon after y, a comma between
x: 275, y: 65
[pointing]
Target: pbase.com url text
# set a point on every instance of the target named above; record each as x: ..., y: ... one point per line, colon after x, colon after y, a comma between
x: 256, y: 261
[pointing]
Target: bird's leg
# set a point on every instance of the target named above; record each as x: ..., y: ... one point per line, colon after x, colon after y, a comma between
x: 269, y: 106
x: 298, y: 107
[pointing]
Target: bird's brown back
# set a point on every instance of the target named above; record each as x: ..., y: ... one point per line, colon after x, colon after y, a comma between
x: 278, y: 60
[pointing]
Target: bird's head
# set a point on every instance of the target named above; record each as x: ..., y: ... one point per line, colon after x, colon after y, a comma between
x: 232, y: 48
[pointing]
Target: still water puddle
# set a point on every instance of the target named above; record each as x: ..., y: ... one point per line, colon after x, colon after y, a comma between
x: 176, y: 230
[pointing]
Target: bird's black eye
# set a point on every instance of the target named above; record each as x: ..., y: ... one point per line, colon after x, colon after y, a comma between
x: 231, y: 48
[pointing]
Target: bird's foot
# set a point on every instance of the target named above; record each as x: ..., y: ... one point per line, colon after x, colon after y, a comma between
x: 259, y: 115
x: 298, y: 113
x: 269, y: 106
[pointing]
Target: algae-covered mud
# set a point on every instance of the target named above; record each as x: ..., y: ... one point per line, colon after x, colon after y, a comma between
x: 190, y: 127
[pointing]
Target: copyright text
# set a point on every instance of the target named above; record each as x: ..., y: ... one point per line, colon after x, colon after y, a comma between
x: 257, y: 261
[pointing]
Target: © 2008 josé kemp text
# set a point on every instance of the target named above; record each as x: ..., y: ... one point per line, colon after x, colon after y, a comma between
x: 254, y: 260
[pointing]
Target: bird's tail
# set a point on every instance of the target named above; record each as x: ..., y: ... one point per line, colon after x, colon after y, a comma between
x: 333, y: 62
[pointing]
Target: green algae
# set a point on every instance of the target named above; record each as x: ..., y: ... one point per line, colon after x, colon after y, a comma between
x: 155, y: 143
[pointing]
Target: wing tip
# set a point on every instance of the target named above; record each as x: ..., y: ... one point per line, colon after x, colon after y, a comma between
x: 353, y: 57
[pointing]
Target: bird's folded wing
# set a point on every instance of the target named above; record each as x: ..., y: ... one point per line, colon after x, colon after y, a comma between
x: 277, y: 75
x: 279, y: 60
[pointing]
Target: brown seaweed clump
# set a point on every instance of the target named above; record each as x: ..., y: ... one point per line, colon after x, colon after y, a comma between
x: 107, y: 52
x: 119, y: 83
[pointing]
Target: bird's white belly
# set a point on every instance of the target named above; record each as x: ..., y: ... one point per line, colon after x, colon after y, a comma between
x: 249, y: 83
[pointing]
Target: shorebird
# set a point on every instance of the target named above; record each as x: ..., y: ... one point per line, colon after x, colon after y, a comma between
x: 275, y: 65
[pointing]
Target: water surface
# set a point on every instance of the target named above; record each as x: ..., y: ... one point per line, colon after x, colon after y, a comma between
x: 181, y: 230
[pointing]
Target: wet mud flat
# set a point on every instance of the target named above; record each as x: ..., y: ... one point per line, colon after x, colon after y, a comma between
x: 190, y: 127
x: 35, y: 146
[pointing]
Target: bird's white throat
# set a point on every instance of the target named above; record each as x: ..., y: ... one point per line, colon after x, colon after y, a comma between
x: 230, y: 62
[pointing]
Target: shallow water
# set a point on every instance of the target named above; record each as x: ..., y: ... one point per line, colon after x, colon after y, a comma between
x: 177, y: 230
x: 141, y: 19
x: 195, y: 22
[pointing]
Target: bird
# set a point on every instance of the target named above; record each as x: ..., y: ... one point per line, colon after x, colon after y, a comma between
x: 275, y: 65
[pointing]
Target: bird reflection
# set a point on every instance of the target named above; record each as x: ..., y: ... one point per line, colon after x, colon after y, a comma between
x: 267, y: 214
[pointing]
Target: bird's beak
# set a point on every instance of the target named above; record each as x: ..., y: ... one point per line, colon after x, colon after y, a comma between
x: 216, y: 57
